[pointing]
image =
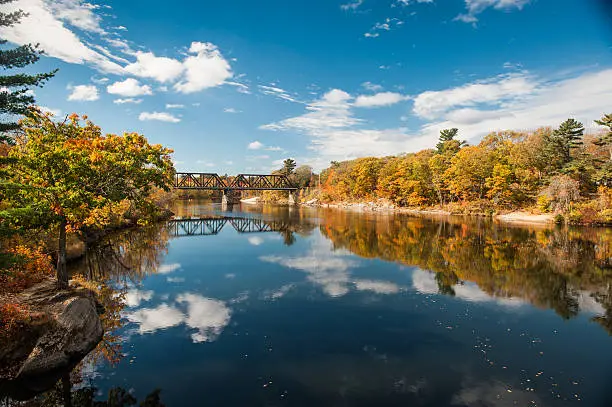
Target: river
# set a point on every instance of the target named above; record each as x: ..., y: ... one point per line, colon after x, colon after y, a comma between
x: 279, y: 306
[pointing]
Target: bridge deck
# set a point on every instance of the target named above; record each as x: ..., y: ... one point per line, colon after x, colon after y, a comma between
x: 241, y: 182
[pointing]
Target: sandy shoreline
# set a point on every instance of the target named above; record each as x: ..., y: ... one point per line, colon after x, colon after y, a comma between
x: 517, y: 217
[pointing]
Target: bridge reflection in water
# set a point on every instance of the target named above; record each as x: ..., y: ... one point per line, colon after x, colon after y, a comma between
x: 209, y: 226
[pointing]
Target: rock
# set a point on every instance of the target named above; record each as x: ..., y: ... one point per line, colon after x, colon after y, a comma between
x: 77, y: 331
x: 66, y: 328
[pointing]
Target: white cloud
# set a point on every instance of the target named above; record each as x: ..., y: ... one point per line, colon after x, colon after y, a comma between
x: 230, y: 110
x: 387, y: 25
x: 277, y: 92
x: 159, y: 116
x: 377, y: 286
x: 475, y: 7
x: 379, y: 99
x: 174, y: 106
x: 206, y: 69
x: 517, y: 101
x: 372, y: 86
x: 497, y: 90
x: 161, y: 69
x: 83, y: 93
x: 409, y: 2
x: 150, y: 320
x: 255, y: 240
x: 324, y: 267
x: 135, y: 297
x: 46, y: 25
x: 351, y: 6
x: 129, y: 87
x: 255, y: 145
x: 550, y: 103
x: 168, y: 268
x: 207, y: 315
x: 122, y: 101
x: 425, y: 282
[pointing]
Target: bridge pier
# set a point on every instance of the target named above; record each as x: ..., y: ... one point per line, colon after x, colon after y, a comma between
x: 291, y: 199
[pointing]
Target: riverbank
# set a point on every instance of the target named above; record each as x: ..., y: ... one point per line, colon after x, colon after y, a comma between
x: 56, y: 329
x: 515, y: 217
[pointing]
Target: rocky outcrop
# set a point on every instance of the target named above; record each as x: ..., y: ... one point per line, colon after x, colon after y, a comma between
x: 64, y: 327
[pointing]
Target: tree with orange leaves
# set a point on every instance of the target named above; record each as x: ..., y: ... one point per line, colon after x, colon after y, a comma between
x: 83, y: 178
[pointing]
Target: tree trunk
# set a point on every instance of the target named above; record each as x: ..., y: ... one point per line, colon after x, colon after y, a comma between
x: 62, y: 272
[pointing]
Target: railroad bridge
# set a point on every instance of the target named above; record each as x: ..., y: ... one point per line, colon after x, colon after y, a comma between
x: 212, y: 225
x: 227, y: 185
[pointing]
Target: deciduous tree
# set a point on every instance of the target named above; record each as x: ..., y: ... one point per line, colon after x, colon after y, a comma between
x: 83, y: 178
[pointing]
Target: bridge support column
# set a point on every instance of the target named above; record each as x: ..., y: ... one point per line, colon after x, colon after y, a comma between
x: 292, y: 200
x: 227, y: 200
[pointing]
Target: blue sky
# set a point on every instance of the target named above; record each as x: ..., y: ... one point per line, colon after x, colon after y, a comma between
x: 237, y: 86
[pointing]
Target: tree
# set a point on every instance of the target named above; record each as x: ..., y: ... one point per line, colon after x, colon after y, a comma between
x: 302, y: 176
x: 16, y: 95
x: 605, y: 140
x: 567, y: 138
x: 447, y: 141
x: 83, y: 178
x: 288, y: 167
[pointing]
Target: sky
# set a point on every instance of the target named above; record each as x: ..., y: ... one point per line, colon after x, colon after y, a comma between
x: 237, y: 86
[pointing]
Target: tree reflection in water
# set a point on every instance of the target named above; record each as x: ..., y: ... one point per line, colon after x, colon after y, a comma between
x: 549, y: 267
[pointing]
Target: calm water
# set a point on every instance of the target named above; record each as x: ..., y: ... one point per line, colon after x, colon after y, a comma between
x: 298, y: 307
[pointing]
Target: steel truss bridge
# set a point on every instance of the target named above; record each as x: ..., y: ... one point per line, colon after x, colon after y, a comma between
x: 214, y: 225
x: 241, y: 182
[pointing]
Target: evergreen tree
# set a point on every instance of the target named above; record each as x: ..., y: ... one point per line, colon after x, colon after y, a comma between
x: 605, y: 140
x: 288, y: 166
x: 567, y: 138
x: 15, y: 93
x: 447, y: 141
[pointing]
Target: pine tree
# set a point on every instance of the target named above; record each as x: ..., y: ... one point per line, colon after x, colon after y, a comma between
x: 566, y: 138
x: 605, y: 140
x: 448, y: 142
x: 15, y: 87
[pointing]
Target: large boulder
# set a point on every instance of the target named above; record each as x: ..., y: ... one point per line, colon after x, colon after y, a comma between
x: 66, y: 327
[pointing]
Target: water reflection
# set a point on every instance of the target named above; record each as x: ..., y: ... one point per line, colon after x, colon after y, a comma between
x: 565, y: 270
x: 280, y: 306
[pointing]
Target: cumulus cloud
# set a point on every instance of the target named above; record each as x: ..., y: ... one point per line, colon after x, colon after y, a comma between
x: 379, y: 99
x: 516, y: 101
x: 162, y: 69
x: 47, y: 24
x: 129, y: 87
x: 73, y: 31
x: 159, y: 116
x: 205, y: 69
x: 255, y: 240
x: 134, y: 297
x: 255, y: 145
x: 83, y: 93
x: 206, y: 315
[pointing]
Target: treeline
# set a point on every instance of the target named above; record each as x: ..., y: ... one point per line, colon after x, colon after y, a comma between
x: 558, y: 170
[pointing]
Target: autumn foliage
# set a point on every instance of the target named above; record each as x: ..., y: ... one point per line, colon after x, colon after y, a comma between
x: 554, y: 170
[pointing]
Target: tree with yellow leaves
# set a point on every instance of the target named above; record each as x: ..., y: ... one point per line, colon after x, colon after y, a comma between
x: 83, y: 178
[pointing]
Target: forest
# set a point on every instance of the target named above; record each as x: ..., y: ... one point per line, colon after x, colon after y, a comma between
x: 560, y: 170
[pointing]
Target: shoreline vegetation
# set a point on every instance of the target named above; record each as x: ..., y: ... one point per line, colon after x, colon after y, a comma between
x: 551, y: 175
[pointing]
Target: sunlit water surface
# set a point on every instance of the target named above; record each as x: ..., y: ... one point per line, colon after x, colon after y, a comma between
x: 279, y: 306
